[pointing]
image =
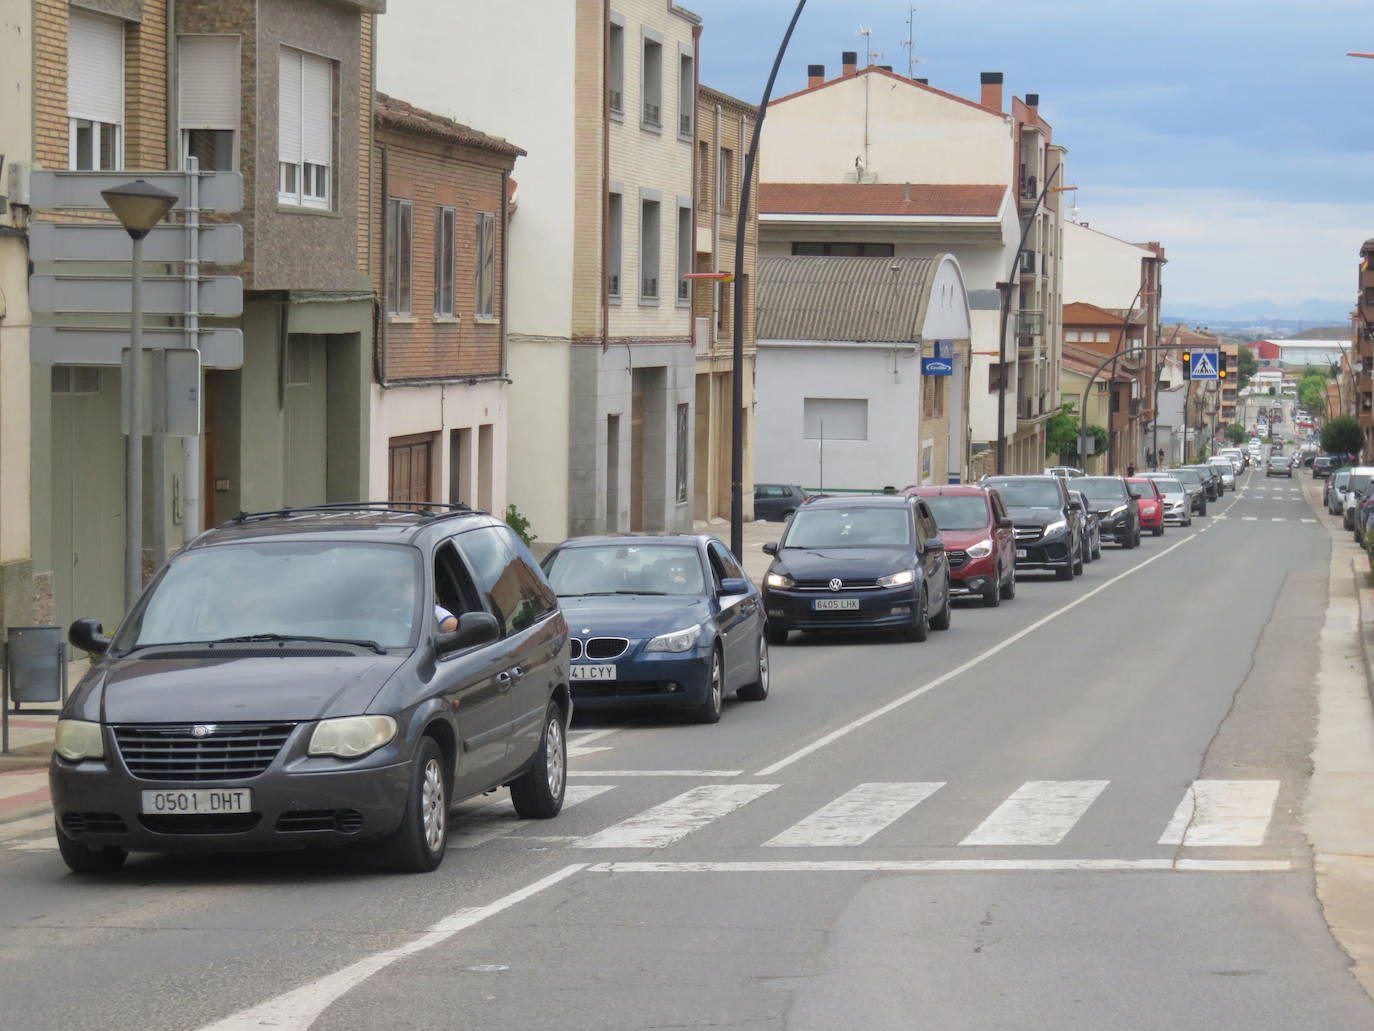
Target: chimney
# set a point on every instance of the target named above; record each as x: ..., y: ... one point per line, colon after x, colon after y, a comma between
x: 1033, y: 102
x: 992, y: 91
x: 815, y: 75
x: 850, y: 60
x: 906, y: 191
x: 885, y: 67
x: 924, y: 82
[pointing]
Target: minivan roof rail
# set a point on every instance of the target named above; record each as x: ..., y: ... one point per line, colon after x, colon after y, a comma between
x: 426, y: 511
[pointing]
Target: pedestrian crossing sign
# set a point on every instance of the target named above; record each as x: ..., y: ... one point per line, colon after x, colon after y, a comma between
x: 1202, y: 365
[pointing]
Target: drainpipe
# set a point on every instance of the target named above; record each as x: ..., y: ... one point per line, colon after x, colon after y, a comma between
x: 385, y: 332
x: 715, y: 232
x: 604, y: 286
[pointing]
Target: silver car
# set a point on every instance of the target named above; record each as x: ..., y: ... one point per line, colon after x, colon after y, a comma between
x: 1177, y: 504
x: 1226, y: 470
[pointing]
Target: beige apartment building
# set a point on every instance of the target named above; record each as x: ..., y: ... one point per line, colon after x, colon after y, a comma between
x: 725, y: 125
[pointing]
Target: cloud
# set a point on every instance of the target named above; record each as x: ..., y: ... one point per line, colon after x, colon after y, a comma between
x: 1228, y: 246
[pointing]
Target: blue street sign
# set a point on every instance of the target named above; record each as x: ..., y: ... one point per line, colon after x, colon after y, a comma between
x: 944, y: 349
x: 1203, y: 364
x: 936, y: 367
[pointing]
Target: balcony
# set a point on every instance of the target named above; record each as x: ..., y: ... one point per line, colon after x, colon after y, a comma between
x: 1029, y: 191
x: 1030, y: 323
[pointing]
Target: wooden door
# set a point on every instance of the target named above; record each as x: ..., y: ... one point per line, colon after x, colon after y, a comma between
x: 411, y: 464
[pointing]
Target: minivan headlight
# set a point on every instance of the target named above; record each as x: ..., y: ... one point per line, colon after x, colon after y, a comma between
x: 79, y: 739
x: 898, y: 579
x: 349, y: 737
x: 1056, y: 526
x: 980, y: 550
x: 677, y: 641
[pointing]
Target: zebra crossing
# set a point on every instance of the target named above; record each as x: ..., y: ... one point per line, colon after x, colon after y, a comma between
x: 1039, y: 813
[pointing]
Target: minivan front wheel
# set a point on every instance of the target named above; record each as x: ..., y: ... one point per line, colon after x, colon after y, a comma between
x: 418, y: 844
x: 81, y: 858
x: 537, y: 794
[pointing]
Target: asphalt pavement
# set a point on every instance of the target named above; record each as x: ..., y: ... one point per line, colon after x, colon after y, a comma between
x: 1088, y: 808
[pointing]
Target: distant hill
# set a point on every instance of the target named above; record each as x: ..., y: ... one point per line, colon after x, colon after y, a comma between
x: 1323, y: 333
x: 1262, y: 317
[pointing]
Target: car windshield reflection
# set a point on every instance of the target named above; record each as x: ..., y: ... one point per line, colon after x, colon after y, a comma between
x: 282, y: 591
x: 1031, y: 493
x: 959, y: 511
x: 849, y: 528
x: 626, y: 569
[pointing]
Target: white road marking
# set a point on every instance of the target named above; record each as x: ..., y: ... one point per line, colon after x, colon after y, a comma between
x: 676, y: 818
x: 655, y: 773
x: 1223, y: 813
x: 1039, y: 812
x: 500, y: 819
x: 38, y: 845
x: 897, y: 703
x: 296, y: 1010
x: 1249, y: 519
x: 959, y: 866
x: 1278, y: 519
x: 1309, y: 520
x: 856, y: 815
x: 586, y: 737
x: 576, y: 752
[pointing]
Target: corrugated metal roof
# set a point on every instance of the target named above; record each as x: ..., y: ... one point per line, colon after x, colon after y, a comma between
x: 816, y: 298
x: 961, y: 200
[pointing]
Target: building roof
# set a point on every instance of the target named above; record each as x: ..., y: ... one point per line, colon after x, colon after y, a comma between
x: 1082, y: 313
x: 816, y: 298
x: 397, y: 114
x: 914, y: 199
x: 874, y: 69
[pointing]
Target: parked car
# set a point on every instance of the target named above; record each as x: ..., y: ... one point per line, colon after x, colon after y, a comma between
x: 286, y: 681
x: 1239, y: 460
x: 1356, y: 488
x: 1119, y: 512
x: 1174, y: 499
x: 1150, y: 502
x: 1197, y: 487
x: 980, y: 540
x: 1322, y: 466
x: 777, y: 500
x: 1226, y: 470
x: 1049, y: 524
x: 1092, y: 529
x: 870, y: 561
x: 660, y: 621
x: 1333, y: 490
x: 1211, y: 480
x: 1279, y: 465
x: 1064, y: 470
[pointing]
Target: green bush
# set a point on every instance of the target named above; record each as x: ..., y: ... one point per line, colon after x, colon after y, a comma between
x: 520, y: 525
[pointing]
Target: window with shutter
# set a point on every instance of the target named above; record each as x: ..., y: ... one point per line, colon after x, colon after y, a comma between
x: 444, y: 226
x: 305, y: 129
x: 95, y: 92
x: 399, y: 253
x: 208, y: 100
x: 486, y: 265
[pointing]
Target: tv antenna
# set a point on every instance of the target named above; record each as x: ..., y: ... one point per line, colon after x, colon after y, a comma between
x: 910, y: 43
x: 869, y: 53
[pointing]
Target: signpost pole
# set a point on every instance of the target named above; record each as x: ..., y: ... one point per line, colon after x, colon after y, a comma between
x: 190, y: 445
x: 133, y: 504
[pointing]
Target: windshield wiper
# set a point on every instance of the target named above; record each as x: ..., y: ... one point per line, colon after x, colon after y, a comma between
x: 608, y: 594
x: 250, y: 638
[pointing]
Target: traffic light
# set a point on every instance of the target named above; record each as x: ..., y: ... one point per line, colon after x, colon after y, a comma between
x: 1187, y: 365
x: 1221, y: 365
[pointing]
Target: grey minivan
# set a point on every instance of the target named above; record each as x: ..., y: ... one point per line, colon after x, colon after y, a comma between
x: 317, y: 676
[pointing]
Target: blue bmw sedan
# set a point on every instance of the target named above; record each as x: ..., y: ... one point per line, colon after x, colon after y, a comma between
x: 661, y: 621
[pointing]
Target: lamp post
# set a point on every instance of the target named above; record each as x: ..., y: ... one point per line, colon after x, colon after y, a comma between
x: 139, y: 206
x: 737, y: 375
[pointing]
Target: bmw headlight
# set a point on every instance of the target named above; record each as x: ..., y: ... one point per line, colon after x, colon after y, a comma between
x: 779, y: 580
x: 79, y: 739
x: 349, y: 737
x: 1119, y: 510
x: 677, y: 641
x: 898, y: 579
x: 1056, y: 526
x: 980, y: 550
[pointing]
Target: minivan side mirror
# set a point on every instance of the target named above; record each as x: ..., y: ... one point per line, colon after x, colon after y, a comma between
x: 89, y: 636
x: 934, y: 544
x: 1075, y: 506
x: 473, y: 628
x: 771, y: 548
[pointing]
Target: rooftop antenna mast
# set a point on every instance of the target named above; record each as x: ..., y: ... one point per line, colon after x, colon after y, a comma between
x: 910, y: 43
x: 869, y: 54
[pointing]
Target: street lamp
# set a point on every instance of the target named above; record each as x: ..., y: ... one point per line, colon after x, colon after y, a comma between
x: 139, y: 206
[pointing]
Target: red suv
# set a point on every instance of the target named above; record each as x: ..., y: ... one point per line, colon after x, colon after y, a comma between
x: 1151, y: 505
x: 979, y: 540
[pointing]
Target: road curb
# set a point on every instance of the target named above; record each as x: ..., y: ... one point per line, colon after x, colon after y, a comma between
x: 1364, y: 594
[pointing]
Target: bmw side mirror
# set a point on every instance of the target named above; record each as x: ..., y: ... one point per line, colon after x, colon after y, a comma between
x: 474, y: 628
x: 934, y: 544
x: 734, y: 585
x: 771, y: 548
x: 89, y: 636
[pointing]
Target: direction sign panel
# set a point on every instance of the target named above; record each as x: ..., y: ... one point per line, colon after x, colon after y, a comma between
x: 75, y: 191
x: 60, y: 345
x: 221, y: 243
x: 937, y: 367
x: 1203, y: 364
x: 162, y: 295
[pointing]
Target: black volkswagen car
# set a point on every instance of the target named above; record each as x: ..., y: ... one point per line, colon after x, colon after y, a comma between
x: 317, y: 677
x: 1049, y: 524
x: 1118, y: 511
x: 858, y: 563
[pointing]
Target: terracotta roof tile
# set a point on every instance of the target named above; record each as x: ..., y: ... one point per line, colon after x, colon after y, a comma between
x: 397, y: 114
x: 962, y: 200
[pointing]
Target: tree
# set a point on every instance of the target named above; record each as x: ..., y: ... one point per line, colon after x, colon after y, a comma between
x: 1312, y: 390
x: 1236, y: 433
x: 1246, y: 366
x: 1061, y: 435
x: 1343, y: 436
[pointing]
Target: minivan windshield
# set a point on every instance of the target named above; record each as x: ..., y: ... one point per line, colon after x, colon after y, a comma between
x: 856, y: 527
x: 959, y: 511
x: 624, y: 568
x: 1032, y: 493
x: 300, y: 589
x: 1102, y: 488
x: 1169, y: 486
x: 1188, y: 476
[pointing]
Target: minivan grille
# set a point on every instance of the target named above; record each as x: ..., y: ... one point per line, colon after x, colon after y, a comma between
x: 228, y: 751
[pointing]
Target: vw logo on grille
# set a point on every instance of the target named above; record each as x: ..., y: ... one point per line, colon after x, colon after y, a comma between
x: 836, y: 584
x: 202, y: 730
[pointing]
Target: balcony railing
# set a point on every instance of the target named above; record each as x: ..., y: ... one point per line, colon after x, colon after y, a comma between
x: 1030, y: 323
x: 652, y: 114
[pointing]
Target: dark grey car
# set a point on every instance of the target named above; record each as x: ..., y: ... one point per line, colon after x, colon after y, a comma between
x: 777, y: 500
x: 317, y: 677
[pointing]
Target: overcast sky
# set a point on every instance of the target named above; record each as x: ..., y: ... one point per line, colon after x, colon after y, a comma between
x: 1235, y: 132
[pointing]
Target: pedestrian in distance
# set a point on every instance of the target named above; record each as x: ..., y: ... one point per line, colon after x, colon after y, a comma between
x: 1130, y: 470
